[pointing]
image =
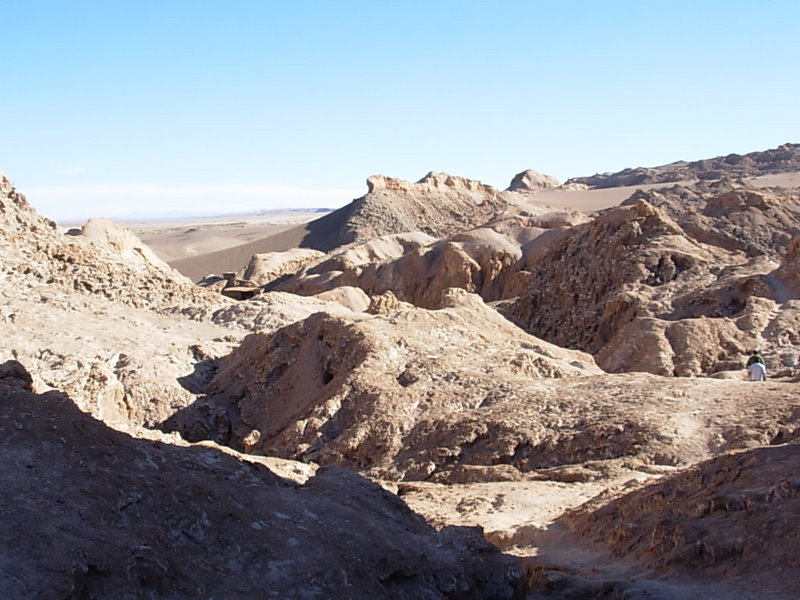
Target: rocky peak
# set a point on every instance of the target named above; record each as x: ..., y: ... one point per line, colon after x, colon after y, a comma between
x: 432, y: 182
x: 532, y: 181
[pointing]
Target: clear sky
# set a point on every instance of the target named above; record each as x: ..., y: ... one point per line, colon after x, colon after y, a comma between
x: 129, y: 108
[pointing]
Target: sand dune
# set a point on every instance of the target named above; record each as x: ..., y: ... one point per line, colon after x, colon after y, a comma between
x: 236, y: 257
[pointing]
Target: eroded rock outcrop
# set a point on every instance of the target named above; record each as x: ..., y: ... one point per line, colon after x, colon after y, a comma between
x: 584, y: 287
x: 355, y: 391
x: 440, y: 395
x: 418, y: 269
x: 735, y: 217
x: 438, y: 205
x: 268, y: 267
x: 532, y: 181
x: 168, y: 521
x: 108, y: 261
x: 731, y: 517
x: 668, y: 289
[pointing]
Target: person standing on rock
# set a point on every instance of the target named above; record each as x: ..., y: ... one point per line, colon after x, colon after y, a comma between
x: 756, y: 369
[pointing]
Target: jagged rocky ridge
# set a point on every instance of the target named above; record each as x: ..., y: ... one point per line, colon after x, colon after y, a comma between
x: 438, y: 204
x: 509, y: 407
x: 783, y: 159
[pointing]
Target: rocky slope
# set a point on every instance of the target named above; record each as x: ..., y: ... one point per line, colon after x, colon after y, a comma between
x: 102, y: 259
x: 632, y: 282
x: 783, y: 159
x: 728, y: 518
x: 438, y: 205
x: 683, y: 281
x: 415, y: 394
x: 372, y: 392
x: 94, y: 313
x: 418, y: 269
x: 126, y: 518
x: 684, y: 288
x: 734, y: 217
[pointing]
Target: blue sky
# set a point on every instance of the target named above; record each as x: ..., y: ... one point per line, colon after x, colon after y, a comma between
x: 122, y: 108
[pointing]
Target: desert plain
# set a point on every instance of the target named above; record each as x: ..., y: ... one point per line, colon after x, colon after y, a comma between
x: 440, y: 390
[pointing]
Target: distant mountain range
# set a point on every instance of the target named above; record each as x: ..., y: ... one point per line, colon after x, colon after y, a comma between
x: 782, y: 159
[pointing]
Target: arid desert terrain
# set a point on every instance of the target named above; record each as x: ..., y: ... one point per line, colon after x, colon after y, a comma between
x: 441, y: 390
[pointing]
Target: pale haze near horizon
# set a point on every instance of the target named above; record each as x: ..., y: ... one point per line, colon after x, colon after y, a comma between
x: 148, y: 109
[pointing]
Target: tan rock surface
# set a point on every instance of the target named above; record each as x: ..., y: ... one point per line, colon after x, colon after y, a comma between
x: 377, y: 393
x: 532, y: 181
x: 123, y: 516
x: 266, y: 268
x: 473, y: 420
x: 415, y: 394
x: 438, y: 205
x: 729, y: 519
x: 33, y: 251
x: 99, y: 316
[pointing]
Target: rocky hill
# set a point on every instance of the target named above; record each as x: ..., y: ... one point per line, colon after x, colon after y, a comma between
x: 628, y: 285
x: 783, y: 159
x: 438, y: 205
x: 415, y: 394
x: 643, y: 291
x: 101, y: 259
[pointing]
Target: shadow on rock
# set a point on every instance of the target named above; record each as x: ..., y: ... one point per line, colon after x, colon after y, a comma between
x: 131, y: 518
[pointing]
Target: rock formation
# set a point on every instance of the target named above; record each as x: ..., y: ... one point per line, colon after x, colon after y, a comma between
x: 438, y: 205
x: 123, y: 516
x: 414, y: 394
x: 372, y: 393
x: 264, y: 269
x: 394, y: 366
x: 728, y: 518
x: 418, y: 269
x: 532, y: 181
x: 108, y: 261
x: 633, y: 282
x: 755, y: 221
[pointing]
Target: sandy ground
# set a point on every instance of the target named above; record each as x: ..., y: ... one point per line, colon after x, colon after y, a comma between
x: 175, y: 239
